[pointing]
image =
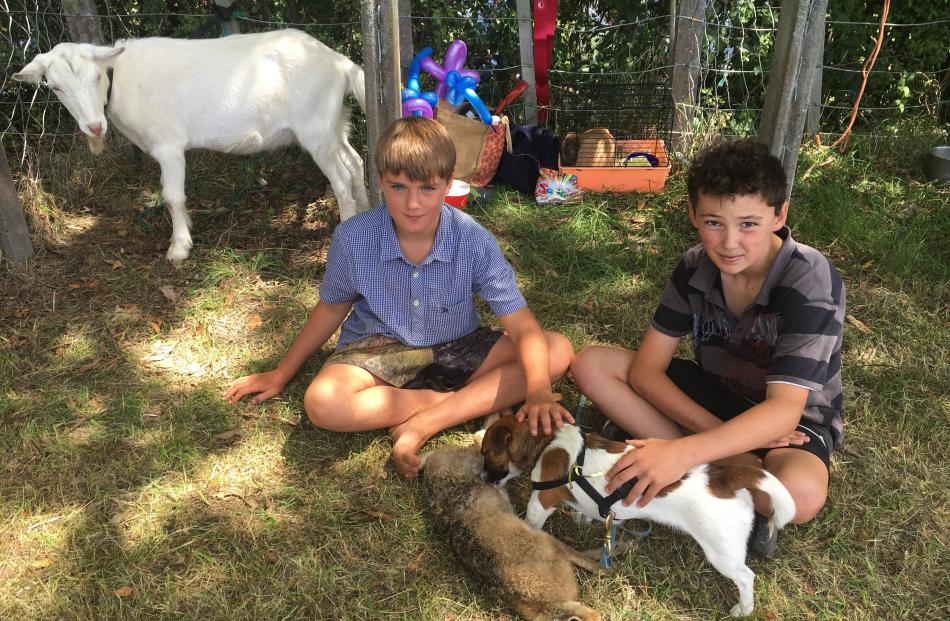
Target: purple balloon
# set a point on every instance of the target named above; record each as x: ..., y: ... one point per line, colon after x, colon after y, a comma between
x: 416, y: 106
x: 454, y: 61
x: 455, y: 55
x: 433, y: 68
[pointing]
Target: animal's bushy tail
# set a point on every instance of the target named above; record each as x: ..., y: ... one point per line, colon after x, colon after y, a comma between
x: 782, y: 503
x: 357, y: 85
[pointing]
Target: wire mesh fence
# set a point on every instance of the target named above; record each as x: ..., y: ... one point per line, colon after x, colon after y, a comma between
x: 595, y: 42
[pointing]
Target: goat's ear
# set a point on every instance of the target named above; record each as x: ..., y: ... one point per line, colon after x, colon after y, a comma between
x: 34, y: 71
x: 105, y: 55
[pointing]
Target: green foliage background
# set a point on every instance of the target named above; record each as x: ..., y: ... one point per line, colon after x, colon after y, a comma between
x: 593, y: 36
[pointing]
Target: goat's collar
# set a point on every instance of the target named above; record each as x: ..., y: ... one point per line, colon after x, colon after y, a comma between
x: 575, y: 474
x: 108, y: 92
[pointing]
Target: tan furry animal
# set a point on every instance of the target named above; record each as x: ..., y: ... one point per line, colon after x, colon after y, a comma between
x: 529, y: 569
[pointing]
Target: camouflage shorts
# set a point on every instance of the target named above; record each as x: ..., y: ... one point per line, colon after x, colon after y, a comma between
x: 442, y: 367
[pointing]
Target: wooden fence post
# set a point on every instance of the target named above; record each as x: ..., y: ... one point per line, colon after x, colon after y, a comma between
x: 801, y: 29
x: 406, y: 50
x: 229, y: 25
x: 380, y: 24
x: 15, y: 241
x: 526, y: 45
x: 813, y: 119
x: 689, y: 36
x: 83, y: 21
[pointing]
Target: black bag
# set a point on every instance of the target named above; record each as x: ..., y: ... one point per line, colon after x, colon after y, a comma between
x: 532, y: 148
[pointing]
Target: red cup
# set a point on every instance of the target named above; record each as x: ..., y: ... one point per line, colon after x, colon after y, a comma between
x: 458, y: 194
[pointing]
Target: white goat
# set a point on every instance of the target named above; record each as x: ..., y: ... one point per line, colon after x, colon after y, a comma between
x: 237, y: 94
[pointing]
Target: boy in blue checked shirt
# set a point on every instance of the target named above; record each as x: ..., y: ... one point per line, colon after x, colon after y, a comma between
x: 412, y: 356
x: 765, y: 316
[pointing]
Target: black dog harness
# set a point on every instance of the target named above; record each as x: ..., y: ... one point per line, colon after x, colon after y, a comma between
x: 576, y: 475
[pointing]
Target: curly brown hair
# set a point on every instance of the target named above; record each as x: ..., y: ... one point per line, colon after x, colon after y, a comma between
x: 738, y: 168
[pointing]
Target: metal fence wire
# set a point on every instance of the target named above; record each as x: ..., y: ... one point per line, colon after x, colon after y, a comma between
x: 604, y: 45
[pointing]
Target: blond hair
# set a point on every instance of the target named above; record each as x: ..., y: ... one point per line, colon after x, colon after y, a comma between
x: 417, y: 147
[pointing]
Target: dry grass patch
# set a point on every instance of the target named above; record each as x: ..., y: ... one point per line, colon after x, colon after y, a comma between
x: 128, y: 489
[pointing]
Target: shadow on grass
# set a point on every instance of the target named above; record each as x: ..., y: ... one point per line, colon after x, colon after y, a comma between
x: 113, y: 471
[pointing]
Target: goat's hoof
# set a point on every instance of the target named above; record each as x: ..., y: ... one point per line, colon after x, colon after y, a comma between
x: 177, y: 254
x: 737, y: 611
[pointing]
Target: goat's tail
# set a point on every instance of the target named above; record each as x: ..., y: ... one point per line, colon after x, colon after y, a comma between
x: 782, y: 502
x: 357, y: 85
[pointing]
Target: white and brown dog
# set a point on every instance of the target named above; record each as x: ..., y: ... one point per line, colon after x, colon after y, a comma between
x: 712, y: 503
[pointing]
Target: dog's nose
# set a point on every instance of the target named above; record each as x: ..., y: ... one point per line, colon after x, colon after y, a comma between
x: 493, y: 476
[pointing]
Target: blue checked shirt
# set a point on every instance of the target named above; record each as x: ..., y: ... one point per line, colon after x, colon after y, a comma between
x: 419, y: 305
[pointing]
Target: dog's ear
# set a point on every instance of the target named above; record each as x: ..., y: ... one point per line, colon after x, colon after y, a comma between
x: 497, y: 438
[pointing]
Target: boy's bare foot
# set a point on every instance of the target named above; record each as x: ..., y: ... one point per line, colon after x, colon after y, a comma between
x: 408, y: 439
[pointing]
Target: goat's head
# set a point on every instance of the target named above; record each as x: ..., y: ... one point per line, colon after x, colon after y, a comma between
x: 77, y: 74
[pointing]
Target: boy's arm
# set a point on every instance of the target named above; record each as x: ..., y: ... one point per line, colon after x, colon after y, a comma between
x: 658, y: 463
x: 647, y: 376
x: 320, y: 326
x: 532, y: 347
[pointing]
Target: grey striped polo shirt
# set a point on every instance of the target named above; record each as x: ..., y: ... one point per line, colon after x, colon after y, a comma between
x: 791, y: 333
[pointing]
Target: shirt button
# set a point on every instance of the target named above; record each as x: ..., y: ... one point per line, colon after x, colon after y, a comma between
x: 415, y: 274
x: 415, y: 302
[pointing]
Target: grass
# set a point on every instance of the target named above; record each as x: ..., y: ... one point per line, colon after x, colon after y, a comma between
x: 128, y: 489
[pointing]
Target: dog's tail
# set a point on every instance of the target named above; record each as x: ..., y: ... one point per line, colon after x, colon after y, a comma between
x: 782, y: 502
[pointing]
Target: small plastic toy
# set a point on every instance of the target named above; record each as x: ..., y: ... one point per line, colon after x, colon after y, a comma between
x: 640, y: 159
x: 556, y: 189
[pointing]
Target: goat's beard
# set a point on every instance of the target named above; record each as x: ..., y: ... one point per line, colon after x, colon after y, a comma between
x: 96, y: 144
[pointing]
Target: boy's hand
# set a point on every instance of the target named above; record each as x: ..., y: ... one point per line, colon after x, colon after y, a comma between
x: 796, y: 438
x: 546, y: 410
x: 656, y: 463
x: 265, y: 385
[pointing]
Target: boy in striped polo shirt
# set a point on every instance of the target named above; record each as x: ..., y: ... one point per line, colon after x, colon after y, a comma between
x: 765, y: 316
x: 411, y: 356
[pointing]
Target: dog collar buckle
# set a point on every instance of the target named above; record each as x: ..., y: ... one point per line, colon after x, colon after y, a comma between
x: 575, y: 471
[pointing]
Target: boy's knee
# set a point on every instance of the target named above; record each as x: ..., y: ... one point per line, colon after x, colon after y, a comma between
x: 322, y: 404
x: 804, y: 476
x: 585, y: 365
x: 809, y: 497
x: 808, y: 502
x: 560, y: 353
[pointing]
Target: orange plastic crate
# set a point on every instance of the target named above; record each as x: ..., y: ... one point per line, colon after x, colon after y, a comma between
x: 625, y: 178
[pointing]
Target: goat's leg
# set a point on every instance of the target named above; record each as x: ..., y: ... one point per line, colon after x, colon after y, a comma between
x: 355, y: 163
x: 172, y: 161
x: 332, y: 162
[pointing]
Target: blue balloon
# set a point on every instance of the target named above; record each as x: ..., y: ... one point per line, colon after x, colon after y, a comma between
x: 479, y: 106
x: 415, y: 67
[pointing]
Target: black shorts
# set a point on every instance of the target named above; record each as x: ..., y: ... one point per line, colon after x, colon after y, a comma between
x: 725, y: 405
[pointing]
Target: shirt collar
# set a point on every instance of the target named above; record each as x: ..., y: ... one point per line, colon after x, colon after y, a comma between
x: 706, y: 278
x: 443, y: 248
x: 778, y: 266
